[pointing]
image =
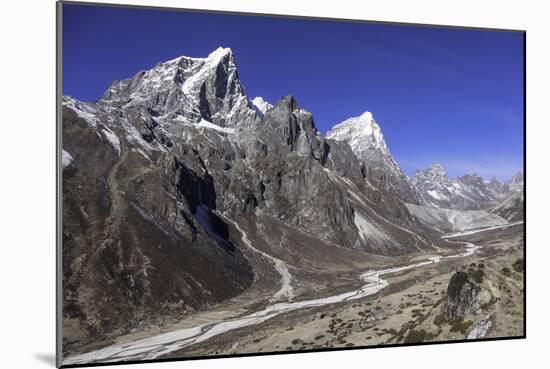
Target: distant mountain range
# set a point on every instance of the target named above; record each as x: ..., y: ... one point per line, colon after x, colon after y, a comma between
x: 157, y: 171
x: 431, y: 186
x: 469, y: 191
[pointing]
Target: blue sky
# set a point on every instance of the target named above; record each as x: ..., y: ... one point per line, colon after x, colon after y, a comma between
x: 454, y: 96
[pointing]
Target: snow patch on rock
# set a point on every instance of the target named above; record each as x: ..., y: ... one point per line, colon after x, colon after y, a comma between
x: 261, y: 105
x: 66, y: 159
x: 206, y: 124
x: 82, y: 110
x: 113, y: 139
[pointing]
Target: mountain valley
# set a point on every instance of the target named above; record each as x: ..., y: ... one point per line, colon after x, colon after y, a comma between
x: 198, y: 221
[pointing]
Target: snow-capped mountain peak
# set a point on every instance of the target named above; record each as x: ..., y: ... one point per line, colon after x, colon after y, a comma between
x: 192, y: 89
x: 221, y: 58
x: 516, y: 182
x: 366, y: 140
x: 261, y: 105
x: 362, y: 133
x: 184, y: 61
x: 436, y: 189
x: 434, y: 172
x: 220, y: 52
x: 497, y: 188
x: 366, y: 117
x: 469, y: 191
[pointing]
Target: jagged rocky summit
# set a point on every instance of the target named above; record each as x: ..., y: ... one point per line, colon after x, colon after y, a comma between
x: 189, y: 89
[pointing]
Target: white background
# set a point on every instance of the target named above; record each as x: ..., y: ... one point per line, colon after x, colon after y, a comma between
x: 27, y: 144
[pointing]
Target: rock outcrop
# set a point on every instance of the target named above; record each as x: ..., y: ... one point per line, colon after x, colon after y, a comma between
x: 462, y: 299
